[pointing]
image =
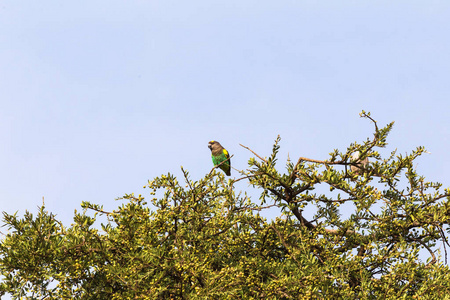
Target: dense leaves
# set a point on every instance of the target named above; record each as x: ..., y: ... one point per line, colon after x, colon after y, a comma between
x: 339, y: 235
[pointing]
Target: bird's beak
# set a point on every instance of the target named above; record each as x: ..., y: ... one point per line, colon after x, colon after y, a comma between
x: 209, y: 146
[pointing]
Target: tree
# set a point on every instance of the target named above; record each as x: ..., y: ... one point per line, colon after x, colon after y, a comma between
x: 339, y: 235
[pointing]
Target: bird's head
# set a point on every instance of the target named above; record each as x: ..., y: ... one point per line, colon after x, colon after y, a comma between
x: 212, y: 145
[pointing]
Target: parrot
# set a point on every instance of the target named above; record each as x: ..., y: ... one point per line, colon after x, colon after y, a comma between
x: 219, y: 154
x: 363, y: 163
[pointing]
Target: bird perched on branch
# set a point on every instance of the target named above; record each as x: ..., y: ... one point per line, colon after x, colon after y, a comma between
x: 220, y: 156
x: 359, y: 163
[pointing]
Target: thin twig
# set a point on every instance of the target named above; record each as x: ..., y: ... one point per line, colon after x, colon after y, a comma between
x: 245, y: 177
x: 187, y: 179
x: 325, y: 162
x: 370, y: 118
x: 254, y: 153
x: 237, y: 170
x: 100, y: 211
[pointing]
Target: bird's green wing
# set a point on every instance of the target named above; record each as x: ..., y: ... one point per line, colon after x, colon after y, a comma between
x: 225, y: 166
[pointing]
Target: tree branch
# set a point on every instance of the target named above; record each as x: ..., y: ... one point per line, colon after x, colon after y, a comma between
x: 253, y: 153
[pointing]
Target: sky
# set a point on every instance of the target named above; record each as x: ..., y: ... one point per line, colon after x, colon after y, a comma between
x: 99, y: 97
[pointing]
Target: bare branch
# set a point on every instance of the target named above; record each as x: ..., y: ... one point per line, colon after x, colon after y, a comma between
x: 325, y: 162
x: 253, y: 153
x: 365, y: 115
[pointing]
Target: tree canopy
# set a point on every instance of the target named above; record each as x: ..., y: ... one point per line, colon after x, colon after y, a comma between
x: 341, y: 233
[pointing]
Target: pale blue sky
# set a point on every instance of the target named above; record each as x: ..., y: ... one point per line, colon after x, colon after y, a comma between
x: 100, y: 96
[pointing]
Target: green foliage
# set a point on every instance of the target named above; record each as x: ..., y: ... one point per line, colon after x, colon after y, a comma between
x: 339, y: 235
